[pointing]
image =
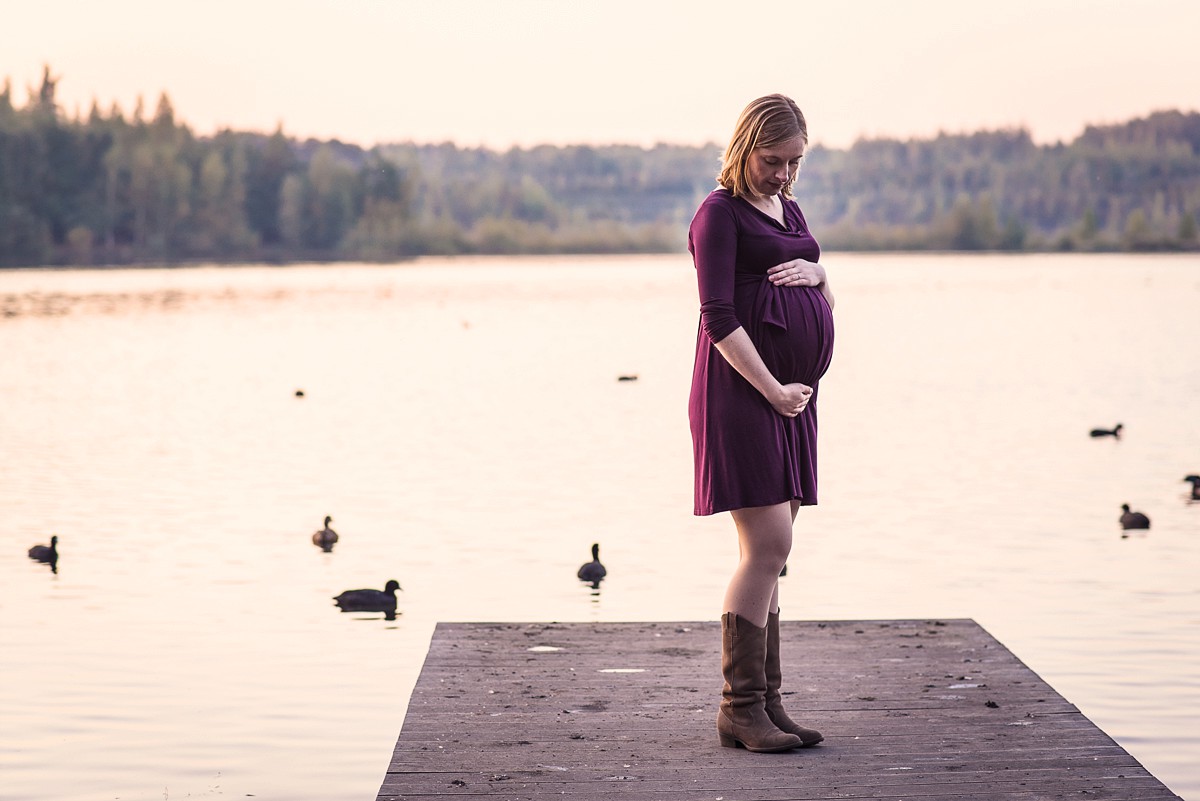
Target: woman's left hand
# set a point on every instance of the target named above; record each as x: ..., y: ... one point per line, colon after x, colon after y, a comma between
x: 797, y: 273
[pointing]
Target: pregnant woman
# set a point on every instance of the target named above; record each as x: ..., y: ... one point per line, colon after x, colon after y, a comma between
x: 765, y: 340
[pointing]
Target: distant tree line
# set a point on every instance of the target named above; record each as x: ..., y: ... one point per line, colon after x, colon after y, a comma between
x: 1130, y: 187
x: 117, y: 188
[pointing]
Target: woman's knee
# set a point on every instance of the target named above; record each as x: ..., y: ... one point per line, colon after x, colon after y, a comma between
x: 766, y: 535
x: 771, y: 553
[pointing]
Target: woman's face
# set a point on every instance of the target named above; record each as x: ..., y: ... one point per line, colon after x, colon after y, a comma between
x: 768, y: 169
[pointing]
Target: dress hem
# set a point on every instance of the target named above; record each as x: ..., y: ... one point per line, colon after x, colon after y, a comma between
x: 699, y: 513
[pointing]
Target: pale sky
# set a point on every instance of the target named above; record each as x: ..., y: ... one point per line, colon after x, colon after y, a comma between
x: 523, y: 72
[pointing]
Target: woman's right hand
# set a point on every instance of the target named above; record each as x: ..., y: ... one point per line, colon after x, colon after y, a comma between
x: 786, y: 399
x: 791, y: 399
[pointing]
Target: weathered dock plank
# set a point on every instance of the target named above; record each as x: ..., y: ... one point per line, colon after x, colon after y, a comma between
x: 614, y: 711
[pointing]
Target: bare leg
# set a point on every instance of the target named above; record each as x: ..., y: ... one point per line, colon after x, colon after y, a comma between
x: 764, y: 542
x: 774, y: 608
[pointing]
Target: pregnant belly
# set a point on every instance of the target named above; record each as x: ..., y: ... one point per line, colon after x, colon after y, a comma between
x: 792, y: 327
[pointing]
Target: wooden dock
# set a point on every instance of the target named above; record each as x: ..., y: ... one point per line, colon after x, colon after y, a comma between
x: 626, y: 711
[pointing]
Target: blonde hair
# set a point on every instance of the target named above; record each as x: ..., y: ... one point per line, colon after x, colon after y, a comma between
x: 766, y: 122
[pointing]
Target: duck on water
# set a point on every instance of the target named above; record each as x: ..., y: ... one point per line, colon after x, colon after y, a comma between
x: 46, y: 553
x: 370, y: 600
x: 326, y: 536
x: 593, y: 571
x: 1194, y: 480
x: 1133, y: 520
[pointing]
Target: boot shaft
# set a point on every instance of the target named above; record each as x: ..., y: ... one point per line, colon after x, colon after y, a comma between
x: 772, y: 671
x: 743, y: 660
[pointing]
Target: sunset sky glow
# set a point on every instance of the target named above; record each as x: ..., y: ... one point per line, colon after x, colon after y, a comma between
x: 527, y: 72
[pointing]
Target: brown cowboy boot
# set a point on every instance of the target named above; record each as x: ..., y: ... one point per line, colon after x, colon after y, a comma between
x: 774, y: 676
x: 743, y: 718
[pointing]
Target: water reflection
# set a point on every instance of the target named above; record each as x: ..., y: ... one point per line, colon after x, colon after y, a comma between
x: 387, y: 614
x: 58, y: 304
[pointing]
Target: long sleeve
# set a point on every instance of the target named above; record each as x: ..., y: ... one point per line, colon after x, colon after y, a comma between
x: 712, y: 240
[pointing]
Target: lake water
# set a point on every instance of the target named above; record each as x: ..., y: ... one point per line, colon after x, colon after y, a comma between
x: 463, y: 424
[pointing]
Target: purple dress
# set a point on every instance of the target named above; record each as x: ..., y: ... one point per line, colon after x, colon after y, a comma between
x: 746, y: 453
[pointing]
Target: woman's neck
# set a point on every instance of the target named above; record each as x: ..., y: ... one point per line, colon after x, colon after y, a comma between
x: 767, y: 204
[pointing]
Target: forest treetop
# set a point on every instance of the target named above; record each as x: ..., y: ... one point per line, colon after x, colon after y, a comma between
x: 111, y: 188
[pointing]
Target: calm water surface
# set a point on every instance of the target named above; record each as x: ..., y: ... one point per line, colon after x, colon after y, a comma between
x: 463, y: 425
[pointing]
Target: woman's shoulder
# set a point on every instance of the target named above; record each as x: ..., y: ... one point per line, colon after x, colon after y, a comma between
x: 717, y: 214
x: 719, y: 200
x: 719, y: 196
